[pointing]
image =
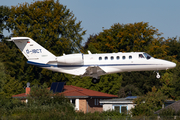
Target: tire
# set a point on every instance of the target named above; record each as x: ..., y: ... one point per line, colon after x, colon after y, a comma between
x: 94, y: 80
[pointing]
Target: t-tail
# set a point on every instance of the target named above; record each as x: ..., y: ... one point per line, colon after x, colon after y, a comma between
x: 32, y: 50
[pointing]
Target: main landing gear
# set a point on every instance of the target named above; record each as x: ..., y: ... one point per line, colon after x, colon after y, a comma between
x: 95, y: 80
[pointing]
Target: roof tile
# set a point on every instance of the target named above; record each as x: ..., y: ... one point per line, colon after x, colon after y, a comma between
x: 70, y: 90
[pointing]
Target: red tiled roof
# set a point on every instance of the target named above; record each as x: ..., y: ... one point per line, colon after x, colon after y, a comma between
x: 22, y: 95
x: 76, y: 92
x: 70, y: 90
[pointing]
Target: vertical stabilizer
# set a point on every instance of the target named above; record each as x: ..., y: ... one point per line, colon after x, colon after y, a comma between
x: 30, y: 49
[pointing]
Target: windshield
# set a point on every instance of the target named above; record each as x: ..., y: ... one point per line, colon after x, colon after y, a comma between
x: 147, y: 55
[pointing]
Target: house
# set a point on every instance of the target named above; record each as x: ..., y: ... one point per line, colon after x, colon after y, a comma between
x: 84, y: 99
x: 122, y: 105
x: 171, y: 104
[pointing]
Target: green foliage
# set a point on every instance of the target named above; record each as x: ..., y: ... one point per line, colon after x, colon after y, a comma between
x: 138, y: 83
x: 107, y: 84
x: 148, y: 104
x: 50, y: 24
x: 11, y: 87
x: 120, y: 38
x: 8, y: 85
x: 4, y: 14
x: 167, y: 112
x: 53, y: 26
x: 167, y: 84
x: 43, y: 96
x: 100, y: 115
x: 112, y: 113
x: 42, y: 104
x: 129, y: 90
x: 132, y: 37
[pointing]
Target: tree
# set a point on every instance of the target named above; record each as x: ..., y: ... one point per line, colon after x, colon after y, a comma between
x: 142, y: 81
x: 171, y: 82
x: 8, y: 85
x: 107, y: 84
x: 124, y: 38
x: 167, y: 87
x: 149, y: 103
x: 173, y: 49
x: 137, y: 37
x: 41, y: 95
x: 4, y: 13
x: 50, y: 24
x: 129, y: 90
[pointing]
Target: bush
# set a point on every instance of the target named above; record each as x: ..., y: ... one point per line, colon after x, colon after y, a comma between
x: 167, y: 112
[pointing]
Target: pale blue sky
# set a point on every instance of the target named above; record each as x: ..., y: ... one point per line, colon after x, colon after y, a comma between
x: 96, y: 14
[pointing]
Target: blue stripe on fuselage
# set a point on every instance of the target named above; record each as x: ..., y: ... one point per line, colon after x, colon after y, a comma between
x: 51, y: 65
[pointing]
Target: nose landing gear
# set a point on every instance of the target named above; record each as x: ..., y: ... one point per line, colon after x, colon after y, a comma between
x: 158, y: 75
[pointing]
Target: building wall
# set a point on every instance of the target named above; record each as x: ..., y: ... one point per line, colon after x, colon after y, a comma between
x: 82, y: 105
x: 130, y: 106
x: 94, y: 105
x: 111, y: 106
x: 90, y: 105
x: 107, y: 107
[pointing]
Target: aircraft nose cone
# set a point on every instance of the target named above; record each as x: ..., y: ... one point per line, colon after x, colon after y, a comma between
x: 172, y: 65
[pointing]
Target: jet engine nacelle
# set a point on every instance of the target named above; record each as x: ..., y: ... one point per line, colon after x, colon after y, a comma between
x: 71, y: 59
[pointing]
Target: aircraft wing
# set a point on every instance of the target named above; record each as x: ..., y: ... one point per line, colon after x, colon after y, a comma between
x: 94, y: 71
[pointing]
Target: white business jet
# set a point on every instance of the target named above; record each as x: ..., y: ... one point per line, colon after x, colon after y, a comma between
x: 93, y: 65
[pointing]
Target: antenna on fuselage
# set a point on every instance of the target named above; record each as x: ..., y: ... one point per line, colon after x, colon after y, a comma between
x: 89, y: 52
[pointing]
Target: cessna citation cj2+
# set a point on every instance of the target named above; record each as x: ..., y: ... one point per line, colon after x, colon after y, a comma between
x: 93, y: 65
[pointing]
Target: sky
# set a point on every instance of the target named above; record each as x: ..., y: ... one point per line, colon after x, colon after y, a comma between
x: 97, y: 15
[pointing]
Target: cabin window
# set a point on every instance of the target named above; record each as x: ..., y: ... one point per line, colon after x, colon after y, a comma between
x: 112, y: 58
x: 141, y: 56
x: 130, y: 57
x: 106, y: 58
x: 100, y: 58
x: 124, y: 57
x: 117, y: 57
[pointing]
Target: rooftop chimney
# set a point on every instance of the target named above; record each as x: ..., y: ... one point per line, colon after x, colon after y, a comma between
x: 28, y: 89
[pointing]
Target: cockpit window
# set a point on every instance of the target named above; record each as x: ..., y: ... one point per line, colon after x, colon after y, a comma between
x: 147, y: 56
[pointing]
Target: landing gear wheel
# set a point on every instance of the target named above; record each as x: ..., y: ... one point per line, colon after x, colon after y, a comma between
x: 158, y: 75
x: 94, y: 80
